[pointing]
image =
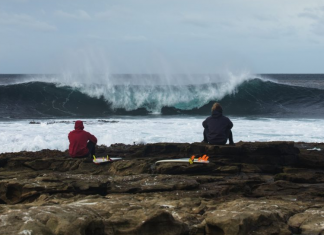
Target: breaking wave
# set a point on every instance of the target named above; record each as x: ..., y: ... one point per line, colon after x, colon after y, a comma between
x: 243, y: 95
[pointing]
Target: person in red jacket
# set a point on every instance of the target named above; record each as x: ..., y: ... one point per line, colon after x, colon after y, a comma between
x: 82, y: 143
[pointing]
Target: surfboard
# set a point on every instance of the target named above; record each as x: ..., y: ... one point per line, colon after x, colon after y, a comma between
x: 192, y: 160
x: 100, y: 160
x: 183, y: 160
x: 314, y: 149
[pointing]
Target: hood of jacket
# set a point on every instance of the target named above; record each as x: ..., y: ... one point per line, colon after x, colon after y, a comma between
x: 216, y: 113
x: 78, y: 125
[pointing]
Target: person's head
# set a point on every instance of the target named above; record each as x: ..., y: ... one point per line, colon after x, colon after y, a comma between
x: 217, y: 107
x: 78, y: 125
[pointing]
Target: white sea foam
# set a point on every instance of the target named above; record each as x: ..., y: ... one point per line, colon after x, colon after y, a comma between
x: 154, y: 92
x: 20, y: 135
x: 150, y: 91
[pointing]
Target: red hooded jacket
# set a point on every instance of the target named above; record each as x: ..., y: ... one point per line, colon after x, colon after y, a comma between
x: 79, y: 139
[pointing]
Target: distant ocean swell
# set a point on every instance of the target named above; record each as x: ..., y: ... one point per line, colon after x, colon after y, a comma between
x: 252, y: 97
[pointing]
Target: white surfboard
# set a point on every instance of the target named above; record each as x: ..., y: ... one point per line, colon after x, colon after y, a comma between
x: 186, y: 160
x: 100, y: 160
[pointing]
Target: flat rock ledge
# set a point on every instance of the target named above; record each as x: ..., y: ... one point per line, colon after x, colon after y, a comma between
x: 251, y: 188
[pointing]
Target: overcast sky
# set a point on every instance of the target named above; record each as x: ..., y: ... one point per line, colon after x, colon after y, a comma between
x: 161, y: 36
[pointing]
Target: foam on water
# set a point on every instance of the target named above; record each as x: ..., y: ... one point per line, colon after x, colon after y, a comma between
x: 152, y: 92
x: 20, y: 135
x: 98, y: 96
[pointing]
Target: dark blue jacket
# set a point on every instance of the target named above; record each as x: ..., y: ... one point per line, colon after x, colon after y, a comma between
x: 217, y: 128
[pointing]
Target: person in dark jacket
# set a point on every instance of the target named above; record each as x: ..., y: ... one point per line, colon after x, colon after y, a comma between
x: 82, y: 143
x: 218, y: 127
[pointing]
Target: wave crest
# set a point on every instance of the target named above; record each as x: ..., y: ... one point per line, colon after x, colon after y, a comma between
x: 242, y: 96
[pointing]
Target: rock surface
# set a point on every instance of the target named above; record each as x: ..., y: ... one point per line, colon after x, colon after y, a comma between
x: 250, y: 188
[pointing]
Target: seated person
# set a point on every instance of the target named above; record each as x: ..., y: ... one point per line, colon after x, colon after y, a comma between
x: 82, y: 143
x: 217, y: 127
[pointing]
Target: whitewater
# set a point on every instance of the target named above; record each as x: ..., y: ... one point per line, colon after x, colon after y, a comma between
x: 52, y: 134
x: 38, y: 112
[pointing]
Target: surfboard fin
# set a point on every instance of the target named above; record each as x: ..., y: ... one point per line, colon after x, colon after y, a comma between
x: 94, y: 157
x: 107, y: 157
x: 205, y: 157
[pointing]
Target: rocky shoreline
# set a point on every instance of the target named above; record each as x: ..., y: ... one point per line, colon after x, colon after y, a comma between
x: 250, y: 188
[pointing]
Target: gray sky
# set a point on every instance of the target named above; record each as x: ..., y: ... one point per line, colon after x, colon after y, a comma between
x: 161, y: 36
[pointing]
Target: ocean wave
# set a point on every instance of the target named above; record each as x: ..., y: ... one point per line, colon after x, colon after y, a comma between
x: 241, y: 96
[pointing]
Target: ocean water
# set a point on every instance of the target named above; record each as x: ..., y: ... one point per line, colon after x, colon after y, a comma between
x: 37, y: 111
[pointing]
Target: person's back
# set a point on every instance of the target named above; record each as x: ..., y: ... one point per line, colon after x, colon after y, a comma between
x: 217, y: 127
x: 81, y: 142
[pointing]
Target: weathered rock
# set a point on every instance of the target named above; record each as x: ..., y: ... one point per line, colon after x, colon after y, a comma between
x: 308, y: 222
x: 251, y: 217
x: 250, y: 188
